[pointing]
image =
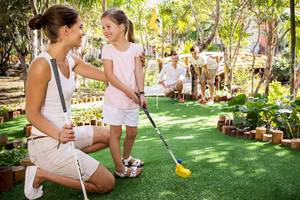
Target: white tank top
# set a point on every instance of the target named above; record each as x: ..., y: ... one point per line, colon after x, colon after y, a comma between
x: 52, y: 108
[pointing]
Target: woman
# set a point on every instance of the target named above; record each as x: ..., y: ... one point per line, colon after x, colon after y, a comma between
x: 48, y: 146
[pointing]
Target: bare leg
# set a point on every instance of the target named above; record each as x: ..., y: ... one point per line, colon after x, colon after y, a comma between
x: 179, y: 88
x: 211, y: 90
x: 131, y: 133
x: 114, y: 145
x: 100, y: 139
x: 101, y: 181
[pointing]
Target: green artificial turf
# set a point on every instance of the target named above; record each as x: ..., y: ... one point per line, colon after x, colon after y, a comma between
x: 222, y: 167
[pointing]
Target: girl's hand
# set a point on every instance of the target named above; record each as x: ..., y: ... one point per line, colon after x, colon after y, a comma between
x: 132, y: 95
x: 143, y: 101
x: 66, y: 134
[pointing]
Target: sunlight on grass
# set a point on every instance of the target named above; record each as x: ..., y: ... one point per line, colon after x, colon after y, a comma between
x: 184, y: 137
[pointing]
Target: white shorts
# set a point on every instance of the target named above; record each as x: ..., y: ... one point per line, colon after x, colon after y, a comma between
x: 44, y: 154
x: 117, y: 117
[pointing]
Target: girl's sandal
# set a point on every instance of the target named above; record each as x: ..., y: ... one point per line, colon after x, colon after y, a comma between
x: 133, y: 173
x: 130, y: 161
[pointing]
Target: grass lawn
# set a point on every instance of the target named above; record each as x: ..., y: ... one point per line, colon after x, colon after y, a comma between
x: 222, y: 167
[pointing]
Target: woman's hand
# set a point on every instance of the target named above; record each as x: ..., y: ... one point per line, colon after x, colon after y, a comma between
x: 66, y: 134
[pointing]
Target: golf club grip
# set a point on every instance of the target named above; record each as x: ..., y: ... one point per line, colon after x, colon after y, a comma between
x: 57, y: 79
x: 149, y: 117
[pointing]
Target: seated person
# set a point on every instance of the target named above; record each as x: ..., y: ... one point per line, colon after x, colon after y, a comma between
x: 172, y: 76
x: 208, y: 66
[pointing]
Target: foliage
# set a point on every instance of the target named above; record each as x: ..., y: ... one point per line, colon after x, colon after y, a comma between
x: 3, y: 109
x: 278, y: 93
x: 281, y: 68
x: 86, y: 114
x: 12, y: 157
x: 99, y: 85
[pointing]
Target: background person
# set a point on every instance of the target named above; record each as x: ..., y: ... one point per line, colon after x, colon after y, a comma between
x: 172, y: 76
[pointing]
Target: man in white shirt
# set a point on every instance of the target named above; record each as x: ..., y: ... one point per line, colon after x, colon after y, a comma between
x: 171, y: 77
x: 206, y: 69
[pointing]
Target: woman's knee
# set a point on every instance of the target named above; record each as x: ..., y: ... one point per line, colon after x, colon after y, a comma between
x: 103, y: 180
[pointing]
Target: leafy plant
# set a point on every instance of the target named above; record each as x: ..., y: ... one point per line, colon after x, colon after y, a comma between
x: 12, y: 157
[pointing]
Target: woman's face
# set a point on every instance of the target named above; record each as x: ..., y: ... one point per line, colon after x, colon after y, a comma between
x: 75, y: 33
x: 111, y: 30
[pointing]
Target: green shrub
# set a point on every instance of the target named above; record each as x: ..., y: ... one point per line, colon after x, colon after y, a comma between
x: 12, y: 157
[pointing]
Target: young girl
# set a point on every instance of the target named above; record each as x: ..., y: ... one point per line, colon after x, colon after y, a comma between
x: 125, y: 91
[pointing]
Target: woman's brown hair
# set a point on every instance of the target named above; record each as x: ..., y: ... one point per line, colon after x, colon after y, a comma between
x: 54, y: 18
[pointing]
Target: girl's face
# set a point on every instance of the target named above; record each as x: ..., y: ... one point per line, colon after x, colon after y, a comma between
x: 111, y: 30
x: 75, y: 33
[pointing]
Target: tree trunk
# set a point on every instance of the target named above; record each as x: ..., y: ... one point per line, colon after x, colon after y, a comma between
x: 204, y: 44
x: 104, y: 5
x: 271, y: 44
x: 293, y: 47
x: 253, y: 59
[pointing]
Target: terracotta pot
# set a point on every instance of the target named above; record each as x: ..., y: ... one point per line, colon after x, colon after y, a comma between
x: 246, y: 135
x: 222, y: 118
x: 277, y: 136
x: 3, y: 139
x: 93, y: 122
x: 295, y: 144
x: 231, y: 128
x: 6, y: 116
x: 228, y: 121
x: 225, y: 129
x: 93, y: 98
x: 85, y: 99
x: 267, y: 137
x: 6, y: 180
x: 240, y: 132
x: 220, y: 125
x: 259, y: 133
x: 18, y: 173
x: 252, y: 134
x: 27, y: 130
x: 217, y: 98
x: 97, y: 98
x: 233, y: 133
x: 99, y: 123
x: 286, y: 142
x: 79, y: 123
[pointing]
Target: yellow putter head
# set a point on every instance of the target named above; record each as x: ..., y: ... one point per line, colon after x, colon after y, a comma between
x: 182, y: 172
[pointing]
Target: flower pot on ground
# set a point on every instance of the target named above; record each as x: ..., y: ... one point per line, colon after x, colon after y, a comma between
x: 277, y: 136
x: 85, y: 99
x: 99, y: 123
x: 246, y: 135
x: 286, y: 142
x: 79, y: 123
x: 220, y: 125
x: 93, y: 122
x: 225, y: 129
x: 295, y: 143
x: 222, y: 118
x: 233, y: 133
x: 252, y: 134
x: 6, y: 180
x: 231, y: 128
x: 3, y: 139
x: 18, y: 173
x: 97, y: 98
x: 259, y: 133
x: 228, y: 121
x: 267, y: 137
x: 27, y: 130
x: 93, y: 98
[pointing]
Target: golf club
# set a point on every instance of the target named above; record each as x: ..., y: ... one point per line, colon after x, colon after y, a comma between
x: 180, y: 170
x: 68, y: 121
